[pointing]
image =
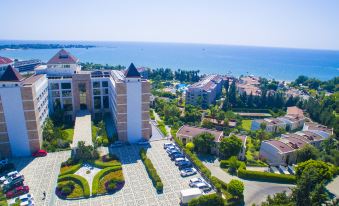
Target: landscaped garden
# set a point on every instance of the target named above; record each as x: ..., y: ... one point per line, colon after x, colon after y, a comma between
x: 87, y: 168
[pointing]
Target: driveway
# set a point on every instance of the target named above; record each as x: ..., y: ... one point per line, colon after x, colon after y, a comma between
x: 82, y: 129
x: 255, y: 191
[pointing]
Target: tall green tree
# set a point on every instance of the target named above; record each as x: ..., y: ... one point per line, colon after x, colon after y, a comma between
x: 229, y: 146
x: 306, y: 153
x: 203, y: 142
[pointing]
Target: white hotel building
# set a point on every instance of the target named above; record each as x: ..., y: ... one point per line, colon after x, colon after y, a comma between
x: 122, y: 94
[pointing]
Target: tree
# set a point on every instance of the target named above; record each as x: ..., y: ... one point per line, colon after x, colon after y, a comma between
x: 48, y: 130
x: 232, y: 94
x: 190, y: 146
x: 220, y: 116
x: 85, y: 153
x: 323, y: 170
x: 207, y: 124
x: 230, y: 146
x: 203, y: 142
x: 207, y: 200
x: 319, y: 195
x: 306, y: 153
x: 234, y: 164
x: 236, y: 188
x: 278, y: 199
x: 263, y: 126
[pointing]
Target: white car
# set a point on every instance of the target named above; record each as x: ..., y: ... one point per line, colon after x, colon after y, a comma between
x: 195, y: 180
x: 166, y: 145
x: 26, y: 197
x: 10, y: 174
x: 179, y: 159
x: 188, y: 172
x: 27, y: 203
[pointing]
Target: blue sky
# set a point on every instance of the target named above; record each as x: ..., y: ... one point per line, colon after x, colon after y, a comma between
x: 283, y: 23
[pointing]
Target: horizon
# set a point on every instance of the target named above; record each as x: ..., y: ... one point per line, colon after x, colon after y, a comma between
x: 287, y: 24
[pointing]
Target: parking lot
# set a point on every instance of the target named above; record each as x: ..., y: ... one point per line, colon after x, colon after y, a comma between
x: 41, y: 175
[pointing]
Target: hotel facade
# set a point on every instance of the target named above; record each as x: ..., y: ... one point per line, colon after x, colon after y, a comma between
x: 123, y: 95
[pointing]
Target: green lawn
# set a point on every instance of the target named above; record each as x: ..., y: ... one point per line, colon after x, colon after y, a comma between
x: 70, y: 133
x: 246, y: 124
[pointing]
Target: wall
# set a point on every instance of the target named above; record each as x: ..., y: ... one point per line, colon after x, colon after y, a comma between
x: 15, y: 121
x: 133, y: 90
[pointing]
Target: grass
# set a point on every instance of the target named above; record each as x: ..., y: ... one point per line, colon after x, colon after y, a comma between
x: 70, y: 133
x: 110, y: 163
x: 162, y: 127
x: 69, y: 169
x: 246, y: 124
x: 3, y: 200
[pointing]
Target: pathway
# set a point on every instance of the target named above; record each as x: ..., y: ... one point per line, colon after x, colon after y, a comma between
x: 255, y: 191
x: 82, y: 128
x: 333, y: 186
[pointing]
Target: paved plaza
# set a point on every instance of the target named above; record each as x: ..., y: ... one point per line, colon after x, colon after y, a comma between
x: 41, y: 175
x: 82, y: 128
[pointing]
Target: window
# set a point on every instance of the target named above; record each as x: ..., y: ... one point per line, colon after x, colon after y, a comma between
x: 67, y: 103
x: 66, y: 93
x: 56, y: 104
x: 65, y: 85
x: 105, y: 84
x: 67, y: 66
x: 105, y: 91
x: 96, y: 92
x: 96, y: 84
x: 54, y: 86
x: 105, y: 102
x: 55, y: 94
x: 97, y: 102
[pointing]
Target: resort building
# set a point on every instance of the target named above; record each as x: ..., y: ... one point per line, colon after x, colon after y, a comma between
x: 122, y: 95
x: 23, y: 110
x: 187, y: 133
x: 205, y: 92
x: 271, y: 124
x: 319, y: 129
x: 249, y: 85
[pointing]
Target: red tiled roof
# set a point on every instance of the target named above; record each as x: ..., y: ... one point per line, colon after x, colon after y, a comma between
x: 5, y: 60
x: 189, y: 131
x: 11, y: 75
x: 63, y: 57
x: 295, y: 111
x: 280, y: 145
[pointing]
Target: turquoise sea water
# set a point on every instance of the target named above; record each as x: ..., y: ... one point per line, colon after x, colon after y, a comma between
x: 278, y: 63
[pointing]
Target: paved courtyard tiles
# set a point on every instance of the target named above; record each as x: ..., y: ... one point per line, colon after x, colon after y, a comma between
x: 41, y: 175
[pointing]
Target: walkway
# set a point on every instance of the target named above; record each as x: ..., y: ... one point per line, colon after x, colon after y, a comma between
x: 255, y: 191
x: 82, y: 129
x: 333, y: 186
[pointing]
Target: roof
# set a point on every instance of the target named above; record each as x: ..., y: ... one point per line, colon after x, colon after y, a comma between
x: 190, y: 131
x: 208, y: 83
x: 5, y: 60
x: 32, y: 79
x: 295, y: 111
x: 132, y: 72
x: 282, y: 147
x: 11, y: 75
x: 311, y: 126
x: 63, y: 57
x: 293, y: 142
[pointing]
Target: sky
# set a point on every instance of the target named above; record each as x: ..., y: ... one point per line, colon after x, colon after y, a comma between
x: 273, y: 23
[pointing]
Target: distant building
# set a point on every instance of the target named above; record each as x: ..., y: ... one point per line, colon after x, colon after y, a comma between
x: 143, y: 72
x: 187, y: 133
x: 205, y: 92
x: 27, y: 66
x: 319, y: 129
x: 23, y: 110
x: 249, y: 85
x: 4, y: 63
x: 272, y: 124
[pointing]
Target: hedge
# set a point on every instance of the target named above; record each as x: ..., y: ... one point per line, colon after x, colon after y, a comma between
x: 266, y: 176
x: 100, y: 164
x: 100, y: 175
x: 151, y: 171
x: 78, y: 179
x: 219, y: 184
x: 162, y: 127
x: 70, y: 170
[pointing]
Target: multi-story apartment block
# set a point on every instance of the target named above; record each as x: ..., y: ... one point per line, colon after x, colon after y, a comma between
x: 122, y: 94
x: 205, y: 92
x: 23, y: 110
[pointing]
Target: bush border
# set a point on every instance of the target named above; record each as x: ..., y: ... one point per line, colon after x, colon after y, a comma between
x: 100, y: 175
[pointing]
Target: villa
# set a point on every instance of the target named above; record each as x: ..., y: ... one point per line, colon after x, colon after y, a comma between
x: 62, y: 85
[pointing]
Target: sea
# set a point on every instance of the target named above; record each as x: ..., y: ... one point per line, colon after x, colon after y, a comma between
x: 272, y: 63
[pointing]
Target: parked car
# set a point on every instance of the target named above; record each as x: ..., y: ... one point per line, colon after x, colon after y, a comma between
x: 171, y: 151
x: 291, y: 169
x: 179, y: 160
x: 166, y: 145
x: 283, y: 170
x: 188, y: 172
x: 14, y: 179
x: 26, y: 196
x: 17, y: 191
x: 8, y: 187
x: 202, y: 186
x: 184, y: 165
x: 5, y: 177
x: 27, y: 203
x: 117, y: 144
x: 176, y: 155
x: 39, y: 153
x: 195, y: 180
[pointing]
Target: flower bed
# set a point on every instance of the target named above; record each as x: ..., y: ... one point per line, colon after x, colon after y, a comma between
x: 107, y: 161
x: 151, y: 171
x: 108, y: 180
x: 72, y: 186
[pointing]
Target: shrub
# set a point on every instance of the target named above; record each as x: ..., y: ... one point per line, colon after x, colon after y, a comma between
x: 219, y: 184
x: 100, y: 175
x: 101, y: 164
x: 212, y: 199
x: 77, y: 179
x: 162, y: 127
x: 224, y: 164
x: 190, y: 146
x: 64, y: 170
x: 236, y: 188
x: 151, y: 171
x: 266, y: 176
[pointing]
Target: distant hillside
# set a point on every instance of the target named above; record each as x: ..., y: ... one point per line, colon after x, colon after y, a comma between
x: 43, y: 46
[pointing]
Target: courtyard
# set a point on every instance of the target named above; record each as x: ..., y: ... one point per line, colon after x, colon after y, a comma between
x: 41, y: 175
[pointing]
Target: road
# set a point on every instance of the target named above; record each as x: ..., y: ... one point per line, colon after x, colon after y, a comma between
x: 255, y: 191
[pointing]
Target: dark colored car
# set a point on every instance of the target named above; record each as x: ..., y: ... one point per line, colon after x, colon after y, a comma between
x: 17, y: 191
x: 177, y: 155
x: 184, y: 164
x: 12, y: 185
x: 39, y: 153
